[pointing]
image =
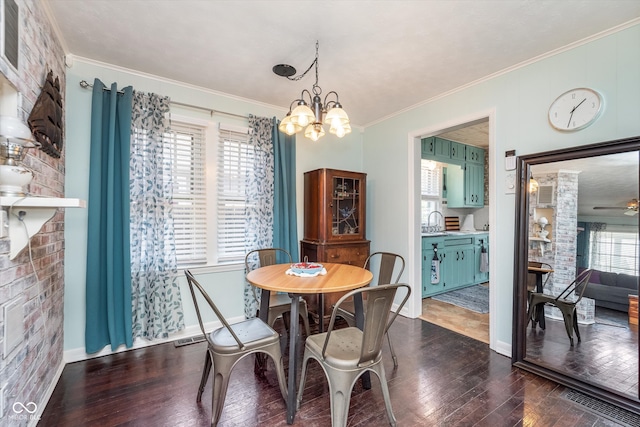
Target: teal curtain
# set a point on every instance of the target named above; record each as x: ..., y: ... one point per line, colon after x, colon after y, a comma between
x: 583, y: 245
x: 108, y: 277
x: 285, y: 224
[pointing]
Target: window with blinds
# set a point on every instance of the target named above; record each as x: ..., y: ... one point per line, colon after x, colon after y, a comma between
x: 430, y: 189
x: 235, y: 158
x: 614, y: 251
x: 185, y: 151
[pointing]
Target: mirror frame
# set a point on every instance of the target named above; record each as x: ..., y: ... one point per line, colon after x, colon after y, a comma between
x: 518, y: 358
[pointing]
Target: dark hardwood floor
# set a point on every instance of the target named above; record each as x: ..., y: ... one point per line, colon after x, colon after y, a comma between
x: 607, y: 355
x: 443, y: 379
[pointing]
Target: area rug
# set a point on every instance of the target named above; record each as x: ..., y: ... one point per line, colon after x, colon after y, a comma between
x: 605, y: 316
x: 474, y: 298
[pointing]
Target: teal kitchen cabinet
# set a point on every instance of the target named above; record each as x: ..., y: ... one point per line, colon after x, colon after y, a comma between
x: 481, y: 240
x: 438, y: 149
x: 459, y: 261
x: 465, y: 186
x: 429, y: 288
x: 457, y: 151
x: 474, y: 155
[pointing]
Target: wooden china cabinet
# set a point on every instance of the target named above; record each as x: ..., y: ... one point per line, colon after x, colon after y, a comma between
x: 334, y: 223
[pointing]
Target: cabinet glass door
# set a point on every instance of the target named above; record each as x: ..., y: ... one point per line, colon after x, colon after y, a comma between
x: 346, y: 206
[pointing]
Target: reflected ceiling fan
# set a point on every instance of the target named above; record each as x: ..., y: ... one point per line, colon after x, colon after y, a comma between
x: 631, y: 208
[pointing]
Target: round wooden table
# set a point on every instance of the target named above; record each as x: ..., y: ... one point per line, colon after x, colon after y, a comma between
x: 339, y: 278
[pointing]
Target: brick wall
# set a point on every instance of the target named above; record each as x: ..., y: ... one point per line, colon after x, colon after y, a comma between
x: 29, y: 371
x: 561, y: 252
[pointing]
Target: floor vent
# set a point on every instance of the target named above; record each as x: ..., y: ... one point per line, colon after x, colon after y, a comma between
x: 604, y: 409
x: 191, y: 340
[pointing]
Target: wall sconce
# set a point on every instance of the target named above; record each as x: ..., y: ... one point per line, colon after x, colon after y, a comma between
x: 533, y: 184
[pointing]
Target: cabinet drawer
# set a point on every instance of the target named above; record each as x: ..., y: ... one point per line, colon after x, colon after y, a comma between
x: 461, y: 241
x: 347, y: 255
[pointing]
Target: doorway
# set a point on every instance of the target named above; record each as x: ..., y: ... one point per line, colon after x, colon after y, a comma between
x: 471, y: 222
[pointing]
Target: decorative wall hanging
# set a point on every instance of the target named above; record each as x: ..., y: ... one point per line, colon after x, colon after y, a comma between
x: 45, y: 119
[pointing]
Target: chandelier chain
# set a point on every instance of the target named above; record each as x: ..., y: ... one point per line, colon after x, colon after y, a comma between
x: 315, y: 62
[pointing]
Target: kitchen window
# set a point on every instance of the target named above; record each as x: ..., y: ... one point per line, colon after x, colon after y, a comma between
x: 431, y: 189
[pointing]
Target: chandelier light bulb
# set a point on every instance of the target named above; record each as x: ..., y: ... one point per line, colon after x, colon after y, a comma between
x: 336, y: 114
x: 340, y: 130
x: 314, y: 131
x: 288, y: 127
x: 302, y: 115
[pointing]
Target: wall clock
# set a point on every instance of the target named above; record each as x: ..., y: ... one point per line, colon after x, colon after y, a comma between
x: 575, y: 109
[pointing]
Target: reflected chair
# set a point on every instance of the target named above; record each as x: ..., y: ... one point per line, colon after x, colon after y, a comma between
x: 279, y: 304
x: 345, y: 354
x: 230, y: 343
x: 391, y: 268
x: 566, y: 302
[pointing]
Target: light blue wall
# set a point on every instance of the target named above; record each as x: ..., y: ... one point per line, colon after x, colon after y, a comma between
x: 519, y: 101
x: 225, y: 287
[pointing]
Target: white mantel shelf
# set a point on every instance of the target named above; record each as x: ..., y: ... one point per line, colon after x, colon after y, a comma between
x: 41, y: 202
x: 27, y: 215
x: 541, y: 241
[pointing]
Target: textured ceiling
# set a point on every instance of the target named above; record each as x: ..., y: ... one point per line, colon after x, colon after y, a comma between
x: 380, y: 56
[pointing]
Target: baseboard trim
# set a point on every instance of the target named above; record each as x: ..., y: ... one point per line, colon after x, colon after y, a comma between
x: 502, y: 348
x: 79, y: 354
x: 34, y: 418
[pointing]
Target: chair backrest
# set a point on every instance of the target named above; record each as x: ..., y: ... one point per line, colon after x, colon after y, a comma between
x: 193, y: 285
x: 388, y: 263
x: 577, y: 287
x: 268, y: 256
x: 377, y: 318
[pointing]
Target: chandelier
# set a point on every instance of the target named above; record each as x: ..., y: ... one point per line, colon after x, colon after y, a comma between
x: 311, y: 112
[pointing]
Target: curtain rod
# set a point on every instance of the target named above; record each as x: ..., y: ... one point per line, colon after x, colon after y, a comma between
x: 84, y: 84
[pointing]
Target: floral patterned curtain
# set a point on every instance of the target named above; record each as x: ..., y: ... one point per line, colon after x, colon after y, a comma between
x: 259, y: 197
x: 156, y: 302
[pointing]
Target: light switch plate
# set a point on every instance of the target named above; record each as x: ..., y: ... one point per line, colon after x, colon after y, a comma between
x: 510, y: 183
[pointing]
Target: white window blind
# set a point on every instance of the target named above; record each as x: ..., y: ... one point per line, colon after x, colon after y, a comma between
x: 430, y: 180
x: 614, y: 251
x: 430, y: 190
x: 185, y: 149
x: 235, y: 157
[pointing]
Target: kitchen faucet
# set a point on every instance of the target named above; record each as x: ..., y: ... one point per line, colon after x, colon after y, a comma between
x: 436, y: 227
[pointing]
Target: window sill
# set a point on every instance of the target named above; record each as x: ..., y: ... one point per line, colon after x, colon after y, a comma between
x: 221, y: 268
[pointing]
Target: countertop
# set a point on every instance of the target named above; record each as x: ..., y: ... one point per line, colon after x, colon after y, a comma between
x: 454, y: 233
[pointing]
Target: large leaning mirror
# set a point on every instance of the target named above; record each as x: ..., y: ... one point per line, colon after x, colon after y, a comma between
x: 577, y: 222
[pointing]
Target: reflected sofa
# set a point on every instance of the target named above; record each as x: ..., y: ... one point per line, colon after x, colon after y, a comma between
x: 611, y: 290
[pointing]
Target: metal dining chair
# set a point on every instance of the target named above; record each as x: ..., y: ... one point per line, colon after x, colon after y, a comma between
x: 230, y: 343
x: 347, y: 353
x: 279, y: 304
x: 566, y: 302
x: 391, y: 268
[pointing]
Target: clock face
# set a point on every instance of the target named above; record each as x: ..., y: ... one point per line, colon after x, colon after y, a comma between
x: 575, y: 109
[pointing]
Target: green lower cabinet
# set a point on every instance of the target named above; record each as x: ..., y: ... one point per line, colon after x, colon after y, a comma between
x: 481, y: 240
x: 459, y: 262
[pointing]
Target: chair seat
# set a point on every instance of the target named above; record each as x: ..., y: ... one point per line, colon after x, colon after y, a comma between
x: 254, y: 333
x: 343, y: 350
